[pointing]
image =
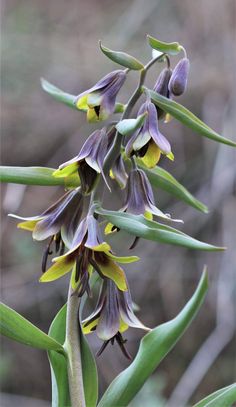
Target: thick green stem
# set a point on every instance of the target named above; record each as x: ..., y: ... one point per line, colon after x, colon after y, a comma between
x: 72, y: 347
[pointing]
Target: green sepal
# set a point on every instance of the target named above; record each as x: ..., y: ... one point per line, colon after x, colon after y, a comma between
x: 171, y: 48
x: 122, y: 58
x: 186, y: 117
x: 138, y: 225
x: 153, y: 348
x: 221, y: 398
x: 128, y: 126
x: 161, y: 178
x: 16, y: 327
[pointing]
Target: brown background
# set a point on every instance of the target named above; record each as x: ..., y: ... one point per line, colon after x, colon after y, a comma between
x: 58, y: 40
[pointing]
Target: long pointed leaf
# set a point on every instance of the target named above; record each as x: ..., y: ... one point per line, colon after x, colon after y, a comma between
x: 186, y: 117
x: 58, y: 363
x: 152, y: 350
x: 161, y: 178
x: 33, y: 176
x: 139, y: 226
x: 221, y: 398
x: 59, y: 94
x: 16, y: 327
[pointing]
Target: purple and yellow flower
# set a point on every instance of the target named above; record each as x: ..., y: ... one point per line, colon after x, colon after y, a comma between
x: 118, y: 172
x: 88, y: 251
x: 88, y: 163
x: 112, y: 316
x: 148, y: 142
x: 58, y: 222
x: 99, y: 101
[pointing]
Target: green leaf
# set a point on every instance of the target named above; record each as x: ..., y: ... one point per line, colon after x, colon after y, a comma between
x: 138, y: 225
x: 128, y: 126
x: 186, y: 117
x: 33, y: 176
x: 58, y: 363
x: 60, y: 385
x: 16, y: 327
x: 161, y: 178
x: 122, y: 58
x: 58, y: 94
x: 221, y: 398
x: 153, y: 348
x: 90, y: 377
x: 172, y: 48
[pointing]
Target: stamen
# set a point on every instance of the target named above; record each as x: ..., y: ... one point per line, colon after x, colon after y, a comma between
x: 121, y: 341
x: 135, y: 242
x: 46, y: 253
x: 96, y: 267
x: 103, y: 347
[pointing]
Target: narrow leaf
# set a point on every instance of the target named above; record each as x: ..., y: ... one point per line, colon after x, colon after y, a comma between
x: 16, y: 327
x: 161, y: 178
x: 186, y: 117
x: 138, y: 225
x: 122, y: 58
x: 33, y: 176
x: 128, y: 126
x: 58, y: 94
x: 153, y: 348
x: 172, y: 48
x: 90, y: 377
x: 221, y: 398
x: 58, y: 363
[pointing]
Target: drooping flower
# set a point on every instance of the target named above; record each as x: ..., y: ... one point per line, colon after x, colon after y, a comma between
x: 161, y: 87
x: 118, y: 172
x: 99, y: 101
x: 88, y: 251
x: 179, y: 77
x: 113, y: 315
x: 89, y: 162
x: 148, y: 142
x: 58, y: 222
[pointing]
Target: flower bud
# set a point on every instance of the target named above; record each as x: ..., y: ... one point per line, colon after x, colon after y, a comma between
x: 179, y: 77
x: 161, y: 87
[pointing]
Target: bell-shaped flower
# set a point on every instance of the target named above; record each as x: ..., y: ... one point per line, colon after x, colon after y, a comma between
x: 148, y: 142
x: 113, y: 315
x: 161, y: 87
x: 99, y: 101
x: 89, y: 162
x: 58, y: 221
x: 179, y: 77
x: 89, y: 245
x: 118, y: 172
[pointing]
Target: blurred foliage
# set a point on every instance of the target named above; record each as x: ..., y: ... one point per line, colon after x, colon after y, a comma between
x: 58, y: 40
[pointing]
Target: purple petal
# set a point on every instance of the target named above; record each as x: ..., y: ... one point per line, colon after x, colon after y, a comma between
x: 109, y: 322
x: 158, y: 138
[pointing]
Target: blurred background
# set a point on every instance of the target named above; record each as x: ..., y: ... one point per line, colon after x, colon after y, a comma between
x: 58, y: 40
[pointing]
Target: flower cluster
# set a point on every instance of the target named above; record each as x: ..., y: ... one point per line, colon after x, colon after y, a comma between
x: 71, y: 222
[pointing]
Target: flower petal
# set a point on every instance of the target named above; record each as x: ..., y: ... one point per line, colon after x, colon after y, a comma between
x: 28, y: 225
x: 111, y: 270
x: 109, y: 321
x: 59, y: 269
x: 124, y: 260
x: 152, y: 155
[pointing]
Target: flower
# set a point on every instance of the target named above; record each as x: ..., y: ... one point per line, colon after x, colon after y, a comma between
x: 58, y: 222
x: 161, y: 87
x: 179, y: 77
x: 88, y: 251
x: 113, y: 315
x: 89, y: 162
x: 148, y: 142
x: 99, y: 101
x: 118, y: 172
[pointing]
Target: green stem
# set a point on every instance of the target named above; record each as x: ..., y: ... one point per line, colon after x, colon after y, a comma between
x: 72, y: 347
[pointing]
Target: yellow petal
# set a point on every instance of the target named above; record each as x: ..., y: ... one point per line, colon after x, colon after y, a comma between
x: 123, y: 326
x: 111, y: 270
x: 59, y: 269
x: 72, y: 180
x: 92, y: 116
x: 109, y: 229
x: 170, y: 156
x: 148, y: 215
x: 89, y: 328
x: 125, y: 259
x: 103, y: 247
x: 66, y: 171
x: 28, y: 225
x: 168, y: 118
x: 152, y: 156
x: 82, y: 104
